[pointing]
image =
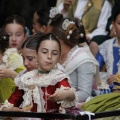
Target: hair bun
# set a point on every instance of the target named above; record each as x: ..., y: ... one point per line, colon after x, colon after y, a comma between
x: 57, y: 17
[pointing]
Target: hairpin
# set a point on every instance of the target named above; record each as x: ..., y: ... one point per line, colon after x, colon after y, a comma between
x: 65, y: 25
x: 53, y: 12
x: 50, y: 37
x: 81, y: 35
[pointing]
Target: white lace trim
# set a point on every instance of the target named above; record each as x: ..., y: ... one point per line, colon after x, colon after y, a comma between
x: 6, y: 105
x: 79, y: 55
x: 12, y: 59
x: 76, y: 57
x: 29, y: 80
x: 65, y: 103
x: 108, y: 54
x: 109, y: 63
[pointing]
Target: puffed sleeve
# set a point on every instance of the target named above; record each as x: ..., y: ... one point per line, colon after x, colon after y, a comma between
x: 63, y: 83
x: 16, y: 97
x: 85, y: 74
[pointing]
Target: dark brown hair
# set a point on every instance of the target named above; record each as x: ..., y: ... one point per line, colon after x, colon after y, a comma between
x: 32, y: 41
x: 4, y: 40
x: 48, y: 36
x: 16, y: 19
x: 57, y: 29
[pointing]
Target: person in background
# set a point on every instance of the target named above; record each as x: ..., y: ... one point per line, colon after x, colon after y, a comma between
x: 16, y: 29
x: 11, y: 63
x: 40, y: 20
x: 28, y: 51
x: 93, y: 13
x: 94, y: 44
x: 109, y: 51
x: 81, y: 67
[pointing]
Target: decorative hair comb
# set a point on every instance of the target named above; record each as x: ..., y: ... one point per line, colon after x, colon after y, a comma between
x: 65, y: 25
x: 53, y: 12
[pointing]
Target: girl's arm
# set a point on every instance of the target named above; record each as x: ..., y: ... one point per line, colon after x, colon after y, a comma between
x: 64, y: 92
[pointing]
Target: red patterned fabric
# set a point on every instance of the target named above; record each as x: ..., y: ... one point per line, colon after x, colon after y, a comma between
x: 16, y: 97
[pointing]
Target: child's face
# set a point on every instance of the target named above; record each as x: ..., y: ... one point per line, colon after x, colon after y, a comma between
x: 29, y: 58
x: 116, y: 25
x: 17, y: 35
x: 37, y: 27
x: 48, y: 55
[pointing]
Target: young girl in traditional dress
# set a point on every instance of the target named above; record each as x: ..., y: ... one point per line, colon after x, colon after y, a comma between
x: 11, y: 63
x: 15, y: 28
x: 45, y: 89
x: 77, y: 59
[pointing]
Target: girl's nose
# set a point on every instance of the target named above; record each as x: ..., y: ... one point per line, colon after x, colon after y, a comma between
x: 49, y: 56
x: 13, y: 38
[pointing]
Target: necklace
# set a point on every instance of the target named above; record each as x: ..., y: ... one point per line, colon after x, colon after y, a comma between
x: 43, y: 72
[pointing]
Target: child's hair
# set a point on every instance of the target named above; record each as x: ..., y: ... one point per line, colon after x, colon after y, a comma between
x: 57, y: 29
x: 43, y: 14
x: 4, y: 40
x: 115, y: 12
x: 48, y: 36
x: 81, y: 30
x: 16, y: 19
x: 32, y: 41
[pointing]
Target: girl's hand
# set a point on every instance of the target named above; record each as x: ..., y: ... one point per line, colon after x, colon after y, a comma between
x: 61, y: 95
x: 111, y: 79
x: 58, y: 95
x: 7, y: 73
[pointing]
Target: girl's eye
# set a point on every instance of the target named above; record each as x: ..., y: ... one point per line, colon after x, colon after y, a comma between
x: 9, y: 34
x: 44, y: 51
x: 55, y: 52
x: 18, y: 35
x: 30, y: 58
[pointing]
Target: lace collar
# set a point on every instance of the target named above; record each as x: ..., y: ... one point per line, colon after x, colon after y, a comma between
x: 69, y: 55
x: 54, y: 76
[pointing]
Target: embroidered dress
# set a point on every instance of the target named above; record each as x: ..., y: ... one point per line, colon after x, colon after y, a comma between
x: 109, y: 54
x: 110, y: 50
x: 10, y: 60
x: 32, y: 90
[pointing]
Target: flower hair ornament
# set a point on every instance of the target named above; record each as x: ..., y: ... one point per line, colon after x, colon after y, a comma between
x: 3, y: 36
x: 65, y: 25
x: 53, y: 12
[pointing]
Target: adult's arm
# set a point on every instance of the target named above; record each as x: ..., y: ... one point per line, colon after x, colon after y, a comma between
x: 85, y: 74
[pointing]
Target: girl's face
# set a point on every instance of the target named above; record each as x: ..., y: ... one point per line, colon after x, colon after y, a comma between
x: 37, y: 27
x: 17, y: 35
x: 29, y: 59
x: 116, y: 25
x: 48, y: 55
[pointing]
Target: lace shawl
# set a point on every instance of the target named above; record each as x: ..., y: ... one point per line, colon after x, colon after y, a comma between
x: 32, y: 86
